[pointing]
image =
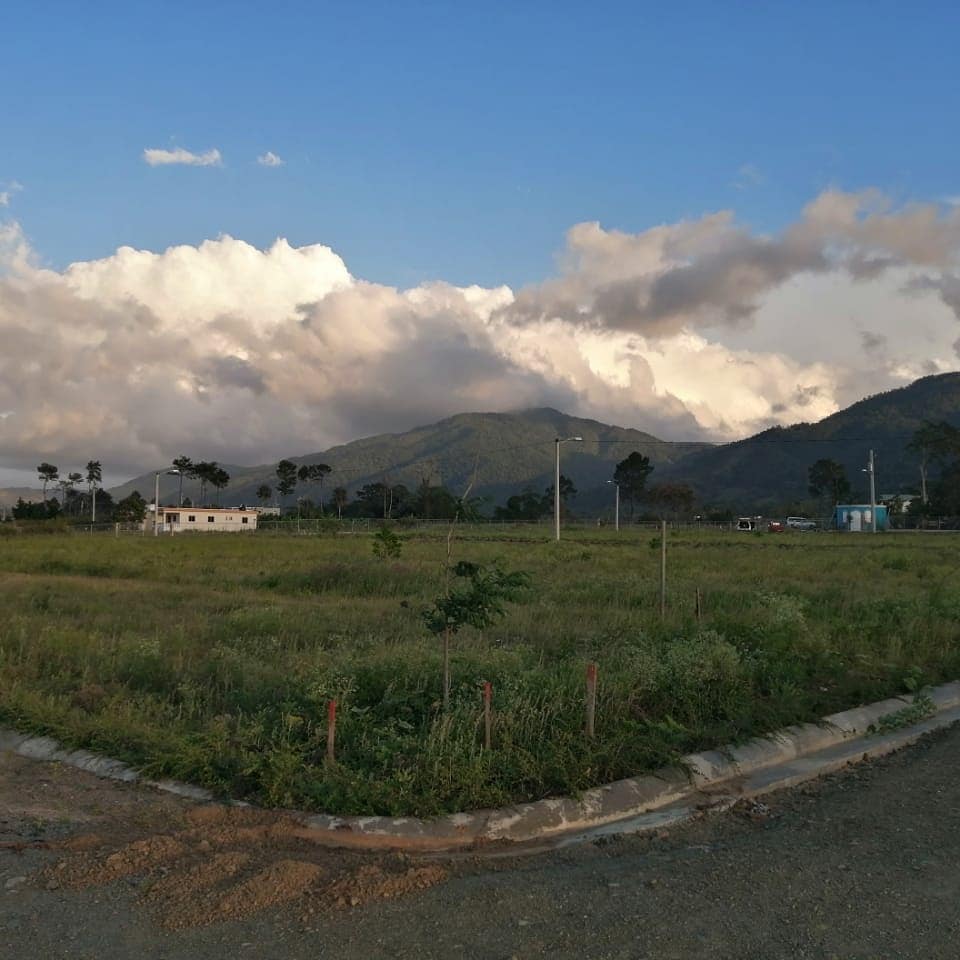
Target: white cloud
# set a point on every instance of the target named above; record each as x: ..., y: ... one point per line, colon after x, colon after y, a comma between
x: 269, y: 159
x: 157, y: 157
x: 6, y: 195
x: 748, y: 175
x: 689, y: 330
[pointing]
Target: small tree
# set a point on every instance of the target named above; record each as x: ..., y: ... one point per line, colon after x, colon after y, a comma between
x: 286, y: 478
x: 828, y: 479
x: 48, y: 474
x: 386, y: 544
x: 264, y: 493
x: 632, y: 474
x: 131, y: 509
x: 670, y: 498
x: 479, y: 603
x: 340, y: 498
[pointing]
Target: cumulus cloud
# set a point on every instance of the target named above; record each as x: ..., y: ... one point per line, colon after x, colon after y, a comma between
x: 713, y: 273
x: 269, y: 159
x: 158, y: 157
x: 230, y: 352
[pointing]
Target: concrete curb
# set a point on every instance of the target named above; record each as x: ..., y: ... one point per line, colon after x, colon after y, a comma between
x: 710, y: 778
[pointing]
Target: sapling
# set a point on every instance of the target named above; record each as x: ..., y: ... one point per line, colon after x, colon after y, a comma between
x: 478, y: 603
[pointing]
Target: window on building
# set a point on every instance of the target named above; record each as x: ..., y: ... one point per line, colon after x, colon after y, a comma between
x: 243, y: 520
x: 191, y: 519
x: 211, y: 519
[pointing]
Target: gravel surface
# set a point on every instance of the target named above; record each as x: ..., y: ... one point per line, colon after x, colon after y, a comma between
x: 863, y: 864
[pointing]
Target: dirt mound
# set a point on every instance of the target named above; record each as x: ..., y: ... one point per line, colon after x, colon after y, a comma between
x: 223, y: 863
x: 180, y: 896
x: 138, y: 857
x: 372, y: 882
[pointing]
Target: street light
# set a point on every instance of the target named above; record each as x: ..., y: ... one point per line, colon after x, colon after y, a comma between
x: 556, y: 484
x: 870, y: 471
x: 616, y: 507
x: 156, y: 498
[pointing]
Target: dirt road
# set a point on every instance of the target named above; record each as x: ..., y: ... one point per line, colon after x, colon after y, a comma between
x: 865, y: 864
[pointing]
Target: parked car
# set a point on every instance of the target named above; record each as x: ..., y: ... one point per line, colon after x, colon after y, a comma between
x: 775, y: 526
x: 801, y: 523
x: 747, y: 523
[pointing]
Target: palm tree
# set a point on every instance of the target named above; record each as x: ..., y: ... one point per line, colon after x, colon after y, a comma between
x: 204, y: 471
x: 48, y: 474
x: 219, y: 478
x: 94, y: 476
x: 185, y: 466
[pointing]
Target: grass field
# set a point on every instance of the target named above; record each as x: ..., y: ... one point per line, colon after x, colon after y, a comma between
x: 211, y: 658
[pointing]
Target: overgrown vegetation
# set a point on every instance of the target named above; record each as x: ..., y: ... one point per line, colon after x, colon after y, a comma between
x: 212, y: 658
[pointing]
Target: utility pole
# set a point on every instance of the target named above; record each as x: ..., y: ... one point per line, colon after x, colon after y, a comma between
x: 616, y: 506
x: 873, y: 494
x: 556, y: 485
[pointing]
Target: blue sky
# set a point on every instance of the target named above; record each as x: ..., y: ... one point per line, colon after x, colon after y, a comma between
x: 464, y: 143
x: 435, y: 141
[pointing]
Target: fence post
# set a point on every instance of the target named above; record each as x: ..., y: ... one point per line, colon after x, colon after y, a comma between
x: 591, y: 697
x: 699, y: 605
x: 331, y: 730
x: 663, y: 568
x: 487, y: 720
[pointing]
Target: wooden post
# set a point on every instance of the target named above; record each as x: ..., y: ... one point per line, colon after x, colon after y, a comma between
x: 663, y: 568
x: 446, y: 670
x: 699, y: 606
x: 487, y: 719
x: 331, y: 731
x: 591, y: 697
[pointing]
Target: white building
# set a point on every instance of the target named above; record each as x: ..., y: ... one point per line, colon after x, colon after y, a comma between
x: 208, y: 519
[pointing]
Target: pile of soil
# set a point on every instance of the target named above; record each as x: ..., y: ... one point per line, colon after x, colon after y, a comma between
x: 229, y: 863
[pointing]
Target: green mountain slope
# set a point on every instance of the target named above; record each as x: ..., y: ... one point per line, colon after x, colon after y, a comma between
x: 499, y: 452
x: 770, y: 469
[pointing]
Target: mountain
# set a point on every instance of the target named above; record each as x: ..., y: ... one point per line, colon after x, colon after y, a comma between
x: 500, y: 452
x: 769, y: 470
x: 10, y: 495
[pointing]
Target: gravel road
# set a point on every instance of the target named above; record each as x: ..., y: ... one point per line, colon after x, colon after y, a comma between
x: 863, y: 864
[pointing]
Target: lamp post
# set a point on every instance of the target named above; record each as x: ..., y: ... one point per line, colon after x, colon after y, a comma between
x: 870, y: 471
x: 156, y: 498
x: 616, y: 506
x: 556, y: 484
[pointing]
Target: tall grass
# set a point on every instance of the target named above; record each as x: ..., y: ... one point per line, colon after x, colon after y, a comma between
x: 212, y: 658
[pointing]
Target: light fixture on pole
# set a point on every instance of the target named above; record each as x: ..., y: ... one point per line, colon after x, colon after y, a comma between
x: 616, y: 506
x: 556, y: 483
x: 870, y: 471
x: 156, y: 498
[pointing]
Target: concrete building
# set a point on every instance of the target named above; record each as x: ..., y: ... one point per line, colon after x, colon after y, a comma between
x: 208, y: 519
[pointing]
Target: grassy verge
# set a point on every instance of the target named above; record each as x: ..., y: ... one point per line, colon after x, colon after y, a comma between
x: 211, y: 658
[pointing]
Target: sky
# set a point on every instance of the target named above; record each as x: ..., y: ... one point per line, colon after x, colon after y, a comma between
x: 242, y: 231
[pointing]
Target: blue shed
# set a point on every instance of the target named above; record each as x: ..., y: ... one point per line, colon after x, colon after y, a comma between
x: 857, y: 517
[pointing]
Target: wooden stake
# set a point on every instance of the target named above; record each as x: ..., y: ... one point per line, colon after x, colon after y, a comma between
x: 487, y: 719
x: 331, y: 731
x: 446, y: 670
x: 699, y: 606
x: 591, y: 697
x: 663, y: 568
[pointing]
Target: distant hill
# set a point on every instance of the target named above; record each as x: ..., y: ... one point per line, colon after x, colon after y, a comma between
x: 770, y: 469
x: 10, y: 495
x: 509, y: 451
x: 505, y: 452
